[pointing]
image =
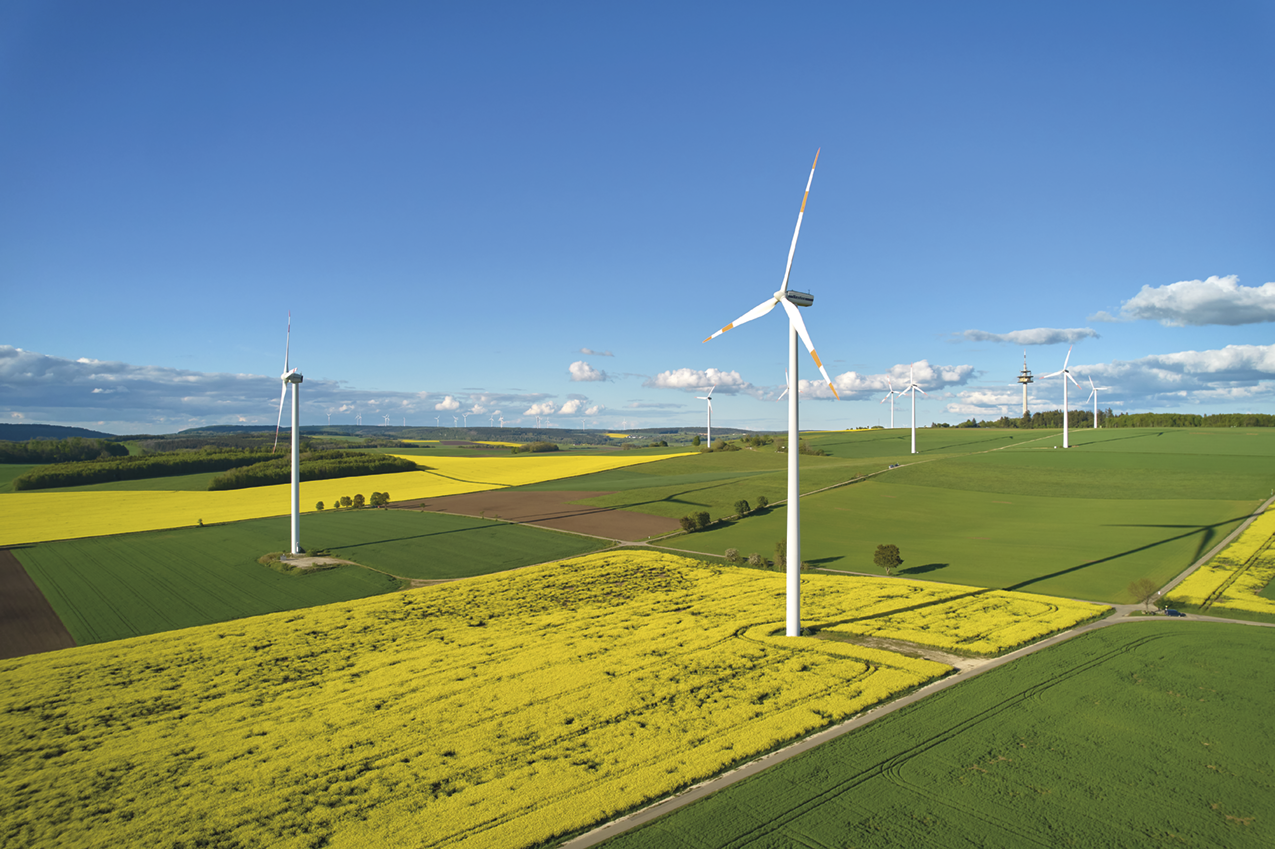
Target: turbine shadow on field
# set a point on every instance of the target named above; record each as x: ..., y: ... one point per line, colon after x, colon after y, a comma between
x: 1207, y: 534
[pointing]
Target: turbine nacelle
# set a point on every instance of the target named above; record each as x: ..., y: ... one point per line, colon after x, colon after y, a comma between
x: 800, y: 299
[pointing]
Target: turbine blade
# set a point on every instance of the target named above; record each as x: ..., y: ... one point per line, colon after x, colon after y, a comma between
x: 1051, y: 374
x: 1073, y: 380
x: 710, y: 390
x: 283, y: 394
x: 1068, y: 359
x: 795, y: 317
x: 756, y: 312
x: 287, y: 348
x: 792, y: 249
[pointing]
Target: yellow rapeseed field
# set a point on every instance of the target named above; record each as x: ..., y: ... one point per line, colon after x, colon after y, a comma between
x: 1248, y: 555
x: 499, y: 711
x: 27, y: 517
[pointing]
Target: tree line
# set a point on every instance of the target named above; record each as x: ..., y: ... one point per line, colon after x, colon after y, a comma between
x: 112, y: 468
x: 315, y: 466
x: 1053, y: 419
x: 60, y: 450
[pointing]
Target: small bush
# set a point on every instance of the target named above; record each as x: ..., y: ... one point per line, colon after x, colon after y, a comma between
x: 732, y: 555
x: 754, y: 559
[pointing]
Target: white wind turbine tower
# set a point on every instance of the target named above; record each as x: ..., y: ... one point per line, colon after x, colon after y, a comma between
x: 1066, y: 376
x: 292, y: 376
x: 455, y: 421
x: 358, y: 419
x: 890, y: 396
x: 913, y: 388
x: 709, y: 399
x: 1093, y: 393
x: 796, y: 330
x: 465, y: 416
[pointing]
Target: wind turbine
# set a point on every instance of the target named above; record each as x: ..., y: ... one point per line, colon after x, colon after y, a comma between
x: 436, y: 418
x: 1093, y: 393
x: 387, y: 420
x: 502, y: 421
x: 465, y: 416
x: 709, y: 399
x: 358, y: 419
x: 786, y: 387
x: 292, y: 376
x: 1066, y: 373
x: 890, y: 396
x: 455, y: 421
x: 913, y: 388
x: 796, y: 330
x: 491, y: 421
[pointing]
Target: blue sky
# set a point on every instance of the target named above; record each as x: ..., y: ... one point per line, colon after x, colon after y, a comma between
x: 543, y: 208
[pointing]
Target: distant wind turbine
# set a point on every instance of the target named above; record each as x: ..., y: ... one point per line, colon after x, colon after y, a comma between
x: 358, y: 418
x: 1093, y: 393
x: 913, y: 388
x: 465, y: 416
x: 491, y: 421
x: 455, y: 421
x: 436, y: 418
x: 292, y: 376
x: 1066, y: 375
x: 709, y: 399
x: 890, y: 396
x: 387, y: 420
x: 785, y: 392
x: 796, y: 330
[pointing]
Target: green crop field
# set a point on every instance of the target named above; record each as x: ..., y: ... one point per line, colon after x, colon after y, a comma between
x: 1134, y: 735
x: 1081, y: 523
x: 108, y: 588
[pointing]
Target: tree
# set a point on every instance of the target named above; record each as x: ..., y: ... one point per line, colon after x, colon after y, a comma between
x: 319, y: 506
x: 687, y: 523
x: 781, y: 555
x: 703, y: 520
x: 696, y: 441
x: 359, y: 500
x: 754, y: 559
x: 1143, y: 591
x: 346, y: 500
x: 762, y: 502
x: 742, y: 508
x: 732, y: 555
x: 887, y: 557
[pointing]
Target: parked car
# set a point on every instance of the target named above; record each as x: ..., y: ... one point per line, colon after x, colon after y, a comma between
x: 1169, y: 611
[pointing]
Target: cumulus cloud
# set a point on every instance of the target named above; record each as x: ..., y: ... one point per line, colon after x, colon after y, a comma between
x: 592, y: 353
x: 1236, y: 373
x: 1217, y: 300
x: 544, y: 408
x: 595, y: 410
x: 572, y: 407
x: 697, y: 380
x: 852, y: 386
x: 1035, y: 336
x: 124, y: 398
x: 582, y: 371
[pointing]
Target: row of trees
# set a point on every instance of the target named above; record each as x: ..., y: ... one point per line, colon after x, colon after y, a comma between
x: 144, y: 466
x: 533, y: 448
x: 60, y: 450
x: 315, y: 466
x: 378, y: 499
x: 1053, y: 419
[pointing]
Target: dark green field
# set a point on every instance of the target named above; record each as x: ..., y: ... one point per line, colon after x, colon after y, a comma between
x: 1134, y: 735
x: 1081, y: 523
x: 107, y: 588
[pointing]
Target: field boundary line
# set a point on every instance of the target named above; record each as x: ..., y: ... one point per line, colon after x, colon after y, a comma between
x: 1217, y: 549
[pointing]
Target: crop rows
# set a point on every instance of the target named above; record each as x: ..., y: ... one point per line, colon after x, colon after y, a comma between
x: 1234, y: 578
x: 498, y: 711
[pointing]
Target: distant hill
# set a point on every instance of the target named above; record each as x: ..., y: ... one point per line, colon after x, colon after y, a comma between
x: 23, y: 432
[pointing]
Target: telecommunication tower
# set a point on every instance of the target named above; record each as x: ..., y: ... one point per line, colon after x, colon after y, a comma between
x: 1025, y: 377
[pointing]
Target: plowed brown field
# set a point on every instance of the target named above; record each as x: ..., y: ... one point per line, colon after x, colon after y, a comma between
x: 28, y: 624
x: 550, y: 510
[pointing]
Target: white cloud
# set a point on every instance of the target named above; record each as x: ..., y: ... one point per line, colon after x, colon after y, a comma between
x: 1236, y: 374
x: 1035, y: 336
x: 594, y: 410
x: 695, y: 380
x: 448, y: 403
x: 853, y: 386
x: 1217, y: 300
x: 572, y: 407
x: 592, y: 353
x: 544, y: 408
x: 582, y: 371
